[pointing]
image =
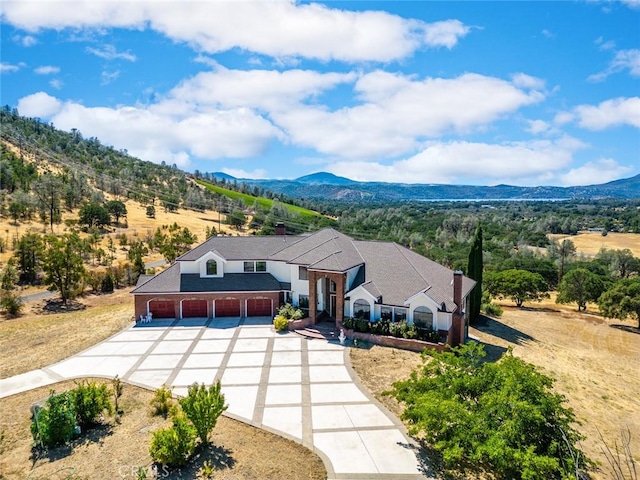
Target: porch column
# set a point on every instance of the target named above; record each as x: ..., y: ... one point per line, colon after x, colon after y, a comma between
x: 313, y: 295
x: 341, y: 281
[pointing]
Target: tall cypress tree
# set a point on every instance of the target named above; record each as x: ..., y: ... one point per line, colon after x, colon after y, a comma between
x: 475, y: 272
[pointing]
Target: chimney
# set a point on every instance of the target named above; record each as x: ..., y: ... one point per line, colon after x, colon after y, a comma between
x: 281, y: 229
x: 457, y: 320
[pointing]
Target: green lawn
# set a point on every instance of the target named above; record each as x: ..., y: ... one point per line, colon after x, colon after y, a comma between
x: 250, y: 200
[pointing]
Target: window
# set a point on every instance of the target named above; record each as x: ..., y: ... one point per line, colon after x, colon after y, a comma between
x: 332, y: 286
x: 386, y: 313
x: 303, y: 301
x: 361, y: 309
x: 249, y: 267
x: 303, y: 274
x: 399, y: 314
x: 261, y: 266
x: 423, y: 318
x: 212, y: 267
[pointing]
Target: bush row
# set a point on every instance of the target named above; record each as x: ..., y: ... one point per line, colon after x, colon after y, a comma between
x: 383, y: 326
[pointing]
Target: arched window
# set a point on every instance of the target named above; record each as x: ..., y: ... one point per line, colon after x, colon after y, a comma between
x: 361, y: 309
x: 423, y: 318
x: 212, y: 267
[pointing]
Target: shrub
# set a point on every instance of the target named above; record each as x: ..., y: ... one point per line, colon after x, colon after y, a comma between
x: 290, y: 312
x: 11, y: 303
x: 280, y: 323
x: 56, y: 422
x: 90, y: 400
x: 107, y: 284
x: 432, y: 336
x: 395, y: 329
x: 174, y: 445
x: 409, y: 331
x: 349, y: 323
x: 492, y: 309
x: 362, y: 325
x: 162, y: 401
x: 203, y: 406
x: 380, y: 327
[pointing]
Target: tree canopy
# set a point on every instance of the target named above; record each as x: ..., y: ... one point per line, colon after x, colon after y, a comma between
x: 517, y: 285
x: 580, y: 286
x: 622, y: 300
x: 503, y: 418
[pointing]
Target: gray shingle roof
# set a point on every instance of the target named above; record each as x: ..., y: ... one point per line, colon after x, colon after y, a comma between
x: 166, y: 281
x: 231, y: 282
x: 241, y: 248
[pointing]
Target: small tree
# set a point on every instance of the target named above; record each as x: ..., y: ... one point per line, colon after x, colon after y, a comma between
x: 518, y: 285
x: 63, y: 265
x: 116, y: 209
x: 151, y: 211
x: 237, y: 219
x: 475, y: 272
x: 203, y: 406
x: 55, y: 423
x: 580, y: 286
x: 622, y: 300
x: 90, y: 400
x: 93, y: 215
x: 174, y: 446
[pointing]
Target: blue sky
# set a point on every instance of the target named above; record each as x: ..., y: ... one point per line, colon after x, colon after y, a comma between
x: 524, y: 93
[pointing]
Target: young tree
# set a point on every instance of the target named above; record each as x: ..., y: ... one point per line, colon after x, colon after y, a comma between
x: 502, y: 418
x: 48, y: 189
x: 29, y: 253
x: 562, y: 252
x: 622, y: 300
x: 10, y: 301
x: 135, y: 254
x: 475, y: 272
x: 237, y: 219
x: 581, y: 286
x: 63, y: 264
x: 518, y: 285
x: 203, y: 406
x: 151, y: 211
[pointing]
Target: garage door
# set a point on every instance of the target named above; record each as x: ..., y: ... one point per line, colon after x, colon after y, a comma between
x: 228, y: 308
x: 162, y: 308
x: 194, y: 308
x: 259, y: 307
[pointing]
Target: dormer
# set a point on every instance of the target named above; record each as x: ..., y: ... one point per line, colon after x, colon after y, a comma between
x: 211, y: 265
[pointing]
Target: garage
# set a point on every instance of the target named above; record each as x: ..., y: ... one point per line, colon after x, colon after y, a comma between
x: 228, y: 308
x: 194, y: 308
x: 259, y: 307
x: 162, y: 308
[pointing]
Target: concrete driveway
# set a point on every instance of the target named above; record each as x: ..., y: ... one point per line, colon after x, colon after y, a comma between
x: 303, y: 389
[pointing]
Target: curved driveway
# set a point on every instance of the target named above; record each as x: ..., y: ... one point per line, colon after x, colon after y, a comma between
x: 302, y: 389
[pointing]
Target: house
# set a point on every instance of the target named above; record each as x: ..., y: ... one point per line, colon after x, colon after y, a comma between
x: 326, y: 272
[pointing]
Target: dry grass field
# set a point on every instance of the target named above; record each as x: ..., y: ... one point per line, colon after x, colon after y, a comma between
x: 595, y: 364
x: 589, y: 244
x: 115, y: 451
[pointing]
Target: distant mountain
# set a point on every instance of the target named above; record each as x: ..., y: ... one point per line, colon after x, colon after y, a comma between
x: 221, y: 175
x: 324, y: 185
x: 324, y: 178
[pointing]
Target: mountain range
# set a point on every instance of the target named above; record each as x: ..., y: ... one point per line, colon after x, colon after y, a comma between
x: 323, y: 185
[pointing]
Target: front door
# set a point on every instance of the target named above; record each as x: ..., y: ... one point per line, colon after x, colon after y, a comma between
x: 332, y: 306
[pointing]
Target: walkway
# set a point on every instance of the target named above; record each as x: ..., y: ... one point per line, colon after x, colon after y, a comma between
x: 302, y: 389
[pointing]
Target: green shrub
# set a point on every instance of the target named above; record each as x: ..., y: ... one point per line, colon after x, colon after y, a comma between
x: 174, y: 446
x: 107, y: 284
x: 203, y: 406
x: 395, y: 329
x: 432, y: 336
x: 56, y: 422
x: 362, y: 325
x: 409, y: 331
x: 492, y: 309
x: 290, y: 312
x: 380, y: 327
x: 90, y: 400
x: 280, y: 323
x: 349, y: 323
x: 10, y: 303
x: 162, y: 401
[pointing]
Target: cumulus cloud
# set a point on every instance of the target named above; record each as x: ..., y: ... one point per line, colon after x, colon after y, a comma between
x: 109, y: 52
x: 157, y: 135
x: 280, y: 28
x: 56, y: 83
x: 538, y: 126
x: 462, y: 162
x: 610, y: 113
x: 623, y: 60
x: 397, y: 113
x: 47, y: 70
x: 601, y: 171
x: 522, y: 80
x: 25, y: 40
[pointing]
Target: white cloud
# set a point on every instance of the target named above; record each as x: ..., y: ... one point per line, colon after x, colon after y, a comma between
x: 279, y: 28
x: 623, y: 60
x: 56, y: 83
x: 107, y: 77
x: 25, y: 40
x: 610, y: 113
x: 399, y: 112
x: 563, y: 118
x: 605, y: 45
x: 47, y: 70
x: 600, y: 171
x: 109, y: 52
x: 523, y: 163
x: 522, y: 80
x: 634, y: 4
x: 8, y: 68
x: 157, y: 135
x: 538, y: 126
x: 239, y: 173
x: 548, y: 34
x: 39, y: 105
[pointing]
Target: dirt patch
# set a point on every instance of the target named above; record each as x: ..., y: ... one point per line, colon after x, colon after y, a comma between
x: 34, y: 340
x: 116, y: 450
x: 594, y: 362
x: 58, y: 306
x: 590, y: 243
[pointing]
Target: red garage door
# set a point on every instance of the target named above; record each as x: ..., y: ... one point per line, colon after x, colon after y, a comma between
x: 228, y: 308
x: 194, y: 308
x: 162, y: 308
x: 259, y: 307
